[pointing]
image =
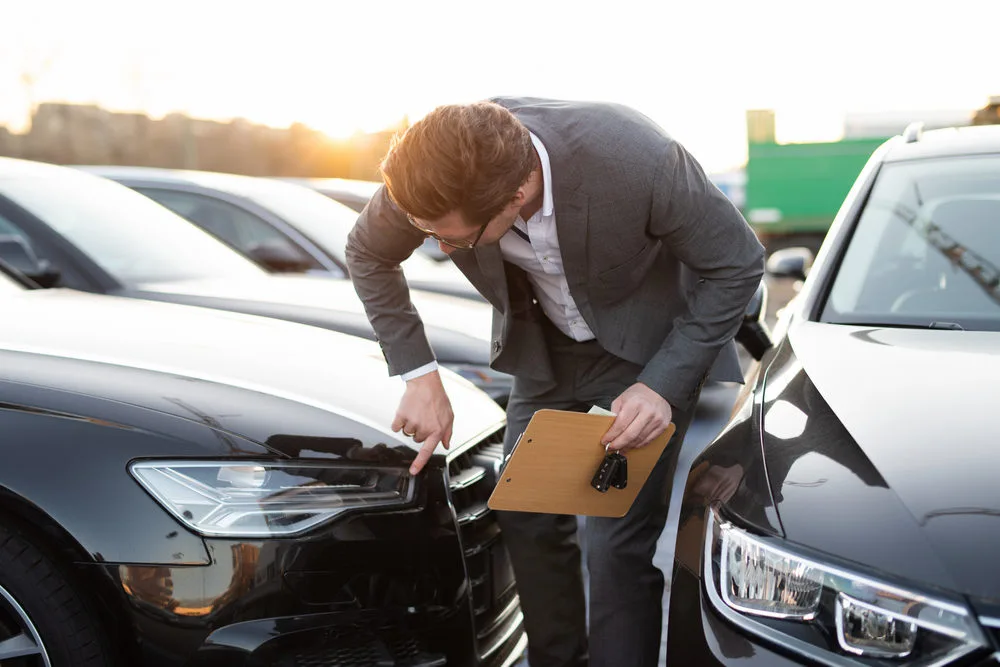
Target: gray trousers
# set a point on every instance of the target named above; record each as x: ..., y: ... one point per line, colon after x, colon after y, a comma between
x: 626, y: 589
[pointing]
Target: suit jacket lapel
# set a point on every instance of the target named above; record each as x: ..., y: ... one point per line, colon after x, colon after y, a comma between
x: 572, y: 219
x: 491, y: 265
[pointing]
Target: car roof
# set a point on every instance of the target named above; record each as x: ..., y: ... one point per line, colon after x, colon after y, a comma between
x: 345, y: 185
x: 236, y: 184
x: 946, y: 142
x: 14, y: 167
x: 340, y: 188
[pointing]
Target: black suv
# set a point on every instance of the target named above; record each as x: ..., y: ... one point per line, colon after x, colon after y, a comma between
x: 849, y: 513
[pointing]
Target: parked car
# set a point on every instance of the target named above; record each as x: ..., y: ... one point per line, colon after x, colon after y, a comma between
x: 847, y: 514
x: 350, y: 192
x: 753, y: 335
x: 74, y: 229
x: 283, y: 227
x: 183, y: 486
x: 356, y: 193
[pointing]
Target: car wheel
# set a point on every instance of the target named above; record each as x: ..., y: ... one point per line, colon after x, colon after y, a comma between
x: 44, y: 620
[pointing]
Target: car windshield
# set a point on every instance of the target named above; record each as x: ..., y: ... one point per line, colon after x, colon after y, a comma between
x: 127, y: 234
x: 325, y: 221
x: 926, y: 249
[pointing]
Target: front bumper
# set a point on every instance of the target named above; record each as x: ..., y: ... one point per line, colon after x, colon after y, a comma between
x: 425, y: 586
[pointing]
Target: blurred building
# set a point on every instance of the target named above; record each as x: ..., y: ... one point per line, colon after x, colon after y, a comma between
x: 87, y: 134
x: 890, y: 123
x: 733, y: 184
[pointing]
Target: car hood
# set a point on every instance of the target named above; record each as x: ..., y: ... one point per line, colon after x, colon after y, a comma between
x: 223, y: 355
x: 464, y: 316
x: 882, y: 448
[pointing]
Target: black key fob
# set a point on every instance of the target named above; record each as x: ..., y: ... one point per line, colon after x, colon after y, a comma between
x: 605, y: 473
x: 620, y: 479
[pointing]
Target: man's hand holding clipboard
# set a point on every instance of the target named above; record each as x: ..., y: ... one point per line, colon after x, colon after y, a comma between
x: 553, y: 464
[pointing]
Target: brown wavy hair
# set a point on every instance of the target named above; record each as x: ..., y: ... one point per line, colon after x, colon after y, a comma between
x: 466, y: 157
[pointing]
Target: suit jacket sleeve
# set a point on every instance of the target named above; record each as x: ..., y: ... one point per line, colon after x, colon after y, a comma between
x: 706, y: 232
x: 380, y: 241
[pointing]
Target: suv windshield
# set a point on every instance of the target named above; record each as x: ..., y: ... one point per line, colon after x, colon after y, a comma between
x: 128, y: 235
x: 926, y: 249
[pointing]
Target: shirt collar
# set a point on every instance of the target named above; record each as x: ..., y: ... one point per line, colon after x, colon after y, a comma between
x: 548, y: 205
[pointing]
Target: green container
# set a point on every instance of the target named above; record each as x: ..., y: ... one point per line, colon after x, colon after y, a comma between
x: 798, y: 188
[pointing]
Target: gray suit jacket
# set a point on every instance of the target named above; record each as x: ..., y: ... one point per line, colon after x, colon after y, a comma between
x: 659, y: 261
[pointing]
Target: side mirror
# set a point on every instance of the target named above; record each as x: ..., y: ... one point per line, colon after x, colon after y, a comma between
x: 17, y: 254
x: 753, y: 333
x: 279, y: 256
x: 790, y: 263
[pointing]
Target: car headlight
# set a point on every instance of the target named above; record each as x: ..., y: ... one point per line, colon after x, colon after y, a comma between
x: 267, y: 499
x: 494, y: 383
x: 827, y: 613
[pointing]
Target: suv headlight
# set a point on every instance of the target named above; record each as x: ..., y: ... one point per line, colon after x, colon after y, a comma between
x: 267, y: 499
x: 825, y: 612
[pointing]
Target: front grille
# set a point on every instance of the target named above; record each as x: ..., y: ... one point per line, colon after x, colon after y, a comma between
x: 472, y: 476
x: 365, y: 649
x: 370, y: 651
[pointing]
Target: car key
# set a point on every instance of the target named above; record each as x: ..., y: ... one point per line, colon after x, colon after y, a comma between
x: 620, y: 478
x: 605, y: 473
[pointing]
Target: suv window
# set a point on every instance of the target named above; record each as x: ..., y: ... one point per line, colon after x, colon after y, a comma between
x: 926, y: 248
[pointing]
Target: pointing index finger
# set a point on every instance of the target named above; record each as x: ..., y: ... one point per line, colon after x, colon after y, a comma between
x: 425, y: 453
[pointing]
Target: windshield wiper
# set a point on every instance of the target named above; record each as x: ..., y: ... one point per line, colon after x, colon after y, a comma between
x: 953, y: 326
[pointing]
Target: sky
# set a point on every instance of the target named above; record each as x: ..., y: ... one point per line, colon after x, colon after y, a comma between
x: 694, y: 67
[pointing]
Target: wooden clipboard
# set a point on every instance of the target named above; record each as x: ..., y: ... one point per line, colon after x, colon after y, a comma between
x: 555, y: 459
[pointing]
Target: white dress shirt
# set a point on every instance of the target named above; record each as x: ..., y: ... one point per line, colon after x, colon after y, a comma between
x: 534, y: 246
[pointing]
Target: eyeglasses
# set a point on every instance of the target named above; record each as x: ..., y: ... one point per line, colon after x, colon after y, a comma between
x: 460, y: 245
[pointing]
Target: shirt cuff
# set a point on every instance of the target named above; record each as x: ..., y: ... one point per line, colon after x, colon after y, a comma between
x: 417, y: 372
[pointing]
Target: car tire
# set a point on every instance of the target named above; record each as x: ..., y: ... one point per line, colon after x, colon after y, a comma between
x: 39, y: 601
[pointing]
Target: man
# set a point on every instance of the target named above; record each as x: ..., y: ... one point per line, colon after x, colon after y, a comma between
x: 619, y: 275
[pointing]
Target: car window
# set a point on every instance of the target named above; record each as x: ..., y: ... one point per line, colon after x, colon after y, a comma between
x: 324, y: 221
x: 320, y: 218
x: 7, y: 229
x: 239, y: 228
x: 926, y: 248
x: 128, y: 235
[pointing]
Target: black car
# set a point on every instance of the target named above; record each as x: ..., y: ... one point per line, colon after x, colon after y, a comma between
x: 849, y: 513
x: 66, y: 227
x: 184, y: 486
x: 284, y: 227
